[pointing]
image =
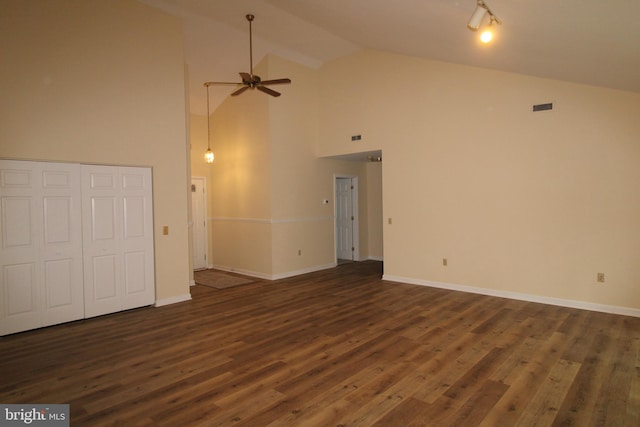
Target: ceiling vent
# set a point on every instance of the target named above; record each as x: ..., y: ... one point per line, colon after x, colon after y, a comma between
x: 543, y: 107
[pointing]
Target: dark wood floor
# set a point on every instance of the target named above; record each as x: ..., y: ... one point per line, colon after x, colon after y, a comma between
x: 335, y: 348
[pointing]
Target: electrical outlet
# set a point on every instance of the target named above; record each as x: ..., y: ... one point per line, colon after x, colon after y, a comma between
x: 390, y: 221
x: 601, y: 277
x: 299, y: 252
x: 165, y: 230
x: 445, y: 262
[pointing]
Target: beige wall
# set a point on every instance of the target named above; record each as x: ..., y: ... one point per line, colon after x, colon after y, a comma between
x: 198, y: 146
x: 522, y: 202
x: 240, y: 195
x: 374, y: 211
x: 267, y: 184
x: 102, y: 82
x: 300, y: 182
x: 200, y: 168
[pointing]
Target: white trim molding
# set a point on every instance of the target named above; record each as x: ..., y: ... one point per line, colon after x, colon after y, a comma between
x: 274, y: 276
x: 303, y: 271
x: 271, y: 220
x: 583, y: 305
x: 309, y: 219
x: 235, y: 219
x: 172, y: 300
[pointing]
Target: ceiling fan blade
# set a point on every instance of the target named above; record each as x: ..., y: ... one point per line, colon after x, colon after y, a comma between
x: 222, y: 83
x: 276, y: 82
x: 268, y: 91
x: 246, y: 77
x: 239, y: 91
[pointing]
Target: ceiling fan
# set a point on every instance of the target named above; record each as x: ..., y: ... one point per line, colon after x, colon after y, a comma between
x: 250, y: 80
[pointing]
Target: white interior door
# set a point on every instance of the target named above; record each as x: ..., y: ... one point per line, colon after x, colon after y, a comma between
x: 137, y: 237
x: 41, y: 245
x: 19, y: 293
x: 117, y: 238
x: 199, y: 221
x: 62, y: 243
x: 344, y: 219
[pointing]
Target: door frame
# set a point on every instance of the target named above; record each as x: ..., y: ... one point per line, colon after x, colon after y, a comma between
x: 356, y: 222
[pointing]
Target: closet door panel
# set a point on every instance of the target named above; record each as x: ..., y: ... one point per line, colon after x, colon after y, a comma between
x: 137, y: 239
x: 103, y: 221
x: 134, y: 272
x: 63, y: 299
x: 20, y: 298
x: 20, y: 288
x: 105, y: 280
x: 118, y: 242
x: 102, y: 277
x: 58, y: 278
x: 41, y: 249
x: 18, y: 223
x: 20, y: 293
x: 75, y: 241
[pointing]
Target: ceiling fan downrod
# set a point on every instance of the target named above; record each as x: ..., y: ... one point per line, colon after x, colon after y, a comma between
x: 250, y: 18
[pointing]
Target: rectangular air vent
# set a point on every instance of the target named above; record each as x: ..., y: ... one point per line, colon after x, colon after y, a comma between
x: 356, y: 137
x: 543, y: 107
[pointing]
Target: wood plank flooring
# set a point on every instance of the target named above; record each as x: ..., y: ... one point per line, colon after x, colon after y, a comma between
x: 339, y: 347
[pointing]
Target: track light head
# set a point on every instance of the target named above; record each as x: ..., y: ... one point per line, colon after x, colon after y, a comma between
x: 482, y: 9
x: 478, y: 15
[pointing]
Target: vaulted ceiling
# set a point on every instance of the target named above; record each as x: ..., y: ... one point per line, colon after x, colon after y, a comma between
x: 582, y: 41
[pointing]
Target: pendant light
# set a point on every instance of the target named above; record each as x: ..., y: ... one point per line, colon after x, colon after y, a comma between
x: 208, y: 155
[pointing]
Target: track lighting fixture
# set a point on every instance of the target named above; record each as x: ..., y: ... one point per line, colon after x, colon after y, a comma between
x: 208, y: 155
x: 482, y: 9
x: 478, y: 15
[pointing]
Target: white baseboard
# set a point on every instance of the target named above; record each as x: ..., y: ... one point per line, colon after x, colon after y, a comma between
x: 303, y: 271
x: 583, y: 305
x: 274, y: 276
x: 192, y: 282
x: 172, y: 300
x: 241, y: 271
x: 375, y: 258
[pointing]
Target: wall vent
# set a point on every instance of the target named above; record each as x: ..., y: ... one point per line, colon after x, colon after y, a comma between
x: 543, y: 107
x: 356, y: 137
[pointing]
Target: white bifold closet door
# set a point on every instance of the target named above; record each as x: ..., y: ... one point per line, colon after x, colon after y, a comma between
x: 117, y: 238
x: 41, y: 279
